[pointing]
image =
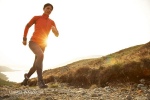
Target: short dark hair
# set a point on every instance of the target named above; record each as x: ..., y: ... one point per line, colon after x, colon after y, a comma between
x: 48, y: 4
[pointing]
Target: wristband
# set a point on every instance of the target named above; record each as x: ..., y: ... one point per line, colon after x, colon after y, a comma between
x: 24, y: 39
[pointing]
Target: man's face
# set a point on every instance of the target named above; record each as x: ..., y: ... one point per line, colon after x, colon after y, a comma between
x: 48, y: 10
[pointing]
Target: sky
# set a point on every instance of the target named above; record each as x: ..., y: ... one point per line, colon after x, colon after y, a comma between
x: 86, y: 27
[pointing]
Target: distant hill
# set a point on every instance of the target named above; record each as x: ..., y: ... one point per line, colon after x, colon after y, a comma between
x: 5, y: 69
x: 126, y: 65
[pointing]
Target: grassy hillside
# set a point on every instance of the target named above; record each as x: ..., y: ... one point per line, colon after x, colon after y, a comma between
x: 3, y: 81
x: 129, y: 64
x: 4, y: 77
x: 6, y: 83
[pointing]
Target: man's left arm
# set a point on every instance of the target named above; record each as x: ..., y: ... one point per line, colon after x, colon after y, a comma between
x: 55, y: 31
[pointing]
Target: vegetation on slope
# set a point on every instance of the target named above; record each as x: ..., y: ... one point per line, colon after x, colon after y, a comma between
x: 129, y: 64
x: 6, y: 83
x: 2, y: 76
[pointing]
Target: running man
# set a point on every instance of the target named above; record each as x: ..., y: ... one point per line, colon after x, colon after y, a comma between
x: 43, y: 25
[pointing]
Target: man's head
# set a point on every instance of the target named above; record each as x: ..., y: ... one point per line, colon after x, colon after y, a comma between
x: 47, y: 8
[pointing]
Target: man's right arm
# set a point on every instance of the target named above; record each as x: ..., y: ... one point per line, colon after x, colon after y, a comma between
x: 29, y: 24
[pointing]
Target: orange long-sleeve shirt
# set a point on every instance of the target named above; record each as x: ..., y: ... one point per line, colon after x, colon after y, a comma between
x: 42, y: 28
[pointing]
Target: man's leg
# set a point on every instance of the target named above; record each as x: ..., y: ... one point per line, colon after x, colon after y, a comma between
x: 39, y: 52
x: 32, y: 69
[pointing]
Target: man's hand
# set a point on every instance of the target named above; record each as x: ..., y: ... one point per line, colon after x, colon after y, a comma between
x: 24, y: 41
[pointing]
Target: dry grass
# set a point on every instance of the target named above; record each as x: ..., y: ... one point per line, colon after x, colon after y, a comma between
x: 130, y: 64
x: 6, y: 83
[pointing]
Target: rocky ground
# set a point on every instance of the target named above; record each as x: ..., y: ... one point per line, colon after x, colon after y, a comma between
x: 57, y: 91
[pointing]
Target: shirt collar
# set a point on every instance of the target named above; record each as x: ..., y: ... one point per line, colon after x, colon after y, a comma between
x: 45, y: 15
